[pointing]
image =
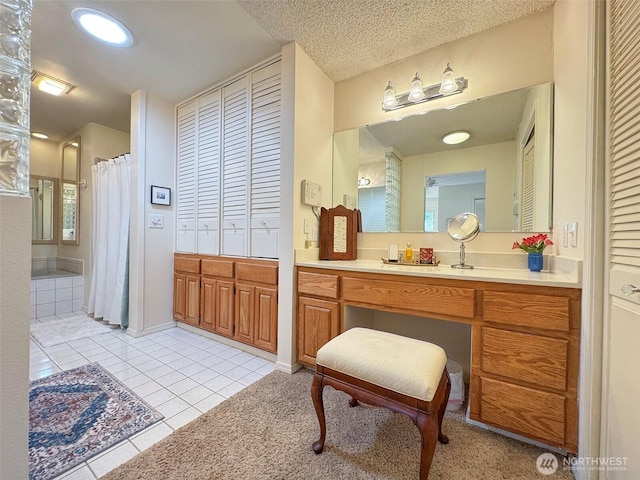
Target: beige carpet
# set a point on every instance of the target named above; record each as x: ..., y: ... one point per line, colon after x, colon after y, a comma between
x: 266, y: 432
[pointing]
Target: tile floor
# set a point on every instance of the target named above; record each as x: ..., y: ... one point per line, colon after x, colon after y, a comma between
x: 179, y: 373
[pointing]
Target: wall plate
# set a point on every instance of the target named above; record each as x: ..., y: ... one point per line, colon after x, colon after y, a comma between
x: 156, y: 221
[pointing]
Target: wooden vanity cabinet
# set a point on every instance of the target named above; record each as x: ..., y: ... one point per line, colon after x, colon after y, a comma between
x: 525, y: 340
x: 233, y: 297
x: 318, y: 313
x: 186, y: 290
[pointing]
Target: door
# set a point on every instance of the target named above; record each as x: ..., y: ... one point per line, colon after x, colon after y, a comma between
x: 621, y: 376
x: 318, y: 322
x: 224, y: 308
x: 245, y: 312
x: 266, y: 319
x: 192, y: 305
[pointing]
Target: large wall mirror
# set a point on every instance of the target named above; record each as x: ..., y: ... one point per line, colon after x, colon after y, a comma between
x: 403, y: 177
x: 44, y: 209
x: 70, y: 198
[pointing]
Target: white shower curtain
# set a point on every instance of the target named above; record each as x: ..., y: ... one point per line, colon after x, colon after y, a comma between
x: 110, y: 240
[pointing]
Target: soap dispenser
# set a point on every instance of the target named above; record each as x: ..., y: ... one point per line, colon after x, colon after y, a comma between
x: 408, y: 254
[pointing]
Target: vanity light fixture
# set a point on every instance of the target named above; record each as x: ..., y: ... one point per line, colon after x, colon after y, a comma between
x: 418, y: 94
x: 51, y: 85
x: 102, y: 26
x: 363, y: 182
x: 39, y: 135
x: 454, y: 138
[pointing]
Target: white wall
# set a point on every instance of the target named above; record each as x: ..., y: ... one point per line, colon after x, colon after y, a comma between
x: 306, y: 153
x: 15, y: 279
x: 151, y: 257
x: 345, y: 165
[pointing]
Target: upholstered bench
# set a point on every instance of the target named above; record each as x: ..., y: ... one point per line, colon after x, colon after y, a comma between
x: 403, y: 374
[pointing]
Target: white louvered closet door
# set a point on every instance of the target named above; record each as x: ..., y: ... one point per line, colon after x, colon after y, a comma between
x: 621, y: 427
x: 187, y: 136
x: 265, y: 161
x: 208, y: 208
x: 235, y: 161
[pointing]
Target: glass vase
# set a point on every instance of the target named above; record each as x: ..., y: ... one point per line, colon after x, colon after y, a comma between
x: 534, y: 262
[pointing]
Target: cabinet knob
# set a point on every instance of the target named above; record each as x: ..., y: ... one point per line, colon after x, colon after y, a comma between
x: 629, y: 289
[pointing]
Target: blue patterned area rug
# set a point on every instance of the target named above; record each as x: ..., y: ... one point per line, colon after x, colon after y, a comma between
x: 76, y: 414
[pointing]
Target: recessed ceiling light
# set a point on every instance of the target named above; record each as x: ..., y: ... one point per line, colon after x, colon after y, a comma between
x: 453, y: 138
x: 102, y: 26
x: 39, y: 135
x: 51, y: 85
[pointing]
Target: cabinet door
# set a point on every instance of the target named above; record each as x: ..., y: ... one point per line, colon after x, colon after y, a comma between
x: 179, y: 296
x: 245, y: 312
x: 192, y: 303
x: 266, y: 319
x: 318, y: 322
x: 224, y: 308
x: 208, y: 306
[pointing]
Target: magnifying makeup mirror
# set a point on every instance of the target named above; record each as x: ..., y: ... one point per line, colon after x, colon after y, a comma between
x: 463, y: 228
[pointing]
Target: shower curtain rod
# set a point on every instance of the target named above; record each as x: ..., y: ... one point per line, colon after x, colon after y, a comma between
x: 100, y: 159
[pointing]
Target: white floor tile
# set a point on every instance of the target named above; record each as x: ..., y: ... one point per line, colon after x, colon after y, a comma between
x: 179, y: 362
x: 208, y: 403
x: 228, y: 353
x: 205, y: 375
x: 44, y: 373
x: 150, y: 436
x: 136, y: 381
x: 196, y: 394
x: 223, y: 366
x: 240, y: 358
x: 172, y: 407
x: 231, y: 389
x: 236, y: 373
x: 74, y: 364
x: 147, y: 388
x: 250, y: 378
x: 159, y: 397
x: 268, y: 368
x: 158, y: 372
x: 192, y: 369
x: 170, y: 378
x: 112, y: 458
x: 183, y: 417
x: 218, y: 383
x: 255, y: 363
x: 81, y: 472
x: 182, y: 386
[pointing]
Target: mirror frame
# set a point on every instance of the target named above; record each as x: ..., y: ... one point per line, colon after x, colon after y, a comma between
x: 55, y: 208
x: 71, y: 178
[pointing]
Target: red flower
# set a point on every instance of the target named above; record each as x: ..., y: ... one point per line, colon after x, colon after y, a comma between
x: 533, y: 244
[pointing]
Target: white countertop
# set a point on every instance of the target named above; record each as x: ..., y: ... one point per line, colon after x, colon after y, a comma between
x: 484, y: 274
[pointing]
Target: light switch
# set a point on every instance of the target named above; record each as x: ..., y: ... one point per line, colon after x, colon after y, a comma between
x: 314, y: 234
x: 573, y: 234
x: 307, y: 226
x: 156, y: 221
x: 565, y: 235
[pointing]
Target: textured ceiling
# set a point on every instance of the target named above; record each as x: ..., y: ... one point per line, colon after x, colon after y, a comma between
x: 184, y: 46
x: 349, y: 37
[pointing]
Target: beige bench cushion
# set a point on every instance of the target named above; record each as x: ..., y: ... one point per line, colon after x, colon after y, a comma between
x: 405, y: 365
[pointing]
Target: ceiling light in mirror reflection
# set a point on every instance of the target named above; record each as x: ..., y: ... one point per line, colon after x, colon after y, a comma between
x: 454, y: 138
x: 501, y: 125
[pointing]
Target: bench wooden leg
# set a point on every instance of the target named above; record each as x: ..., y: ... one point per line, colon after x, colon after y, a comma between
x: 442, y: 438
x: 428, y: 426
x: 316, y: 394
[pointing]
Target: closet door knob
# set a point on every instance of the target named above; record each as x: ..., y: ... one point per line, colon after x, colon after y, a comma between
x: 629, y: 289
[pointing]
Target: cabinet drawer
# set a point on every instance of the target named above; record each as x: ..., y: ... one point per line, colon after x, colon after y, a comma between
x: 186, y: 264
x: 257, y: 272
x: 531, y: 358
x: 454, y: 301
x: 536, y: 311
x: 522, y: 410
x: 319, y: 284
x: 217, y: 268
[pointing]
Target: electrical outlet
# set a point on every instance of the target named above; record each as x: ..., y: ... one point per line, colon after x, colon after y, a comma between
x: 573, y: 234
x: 565, y: 235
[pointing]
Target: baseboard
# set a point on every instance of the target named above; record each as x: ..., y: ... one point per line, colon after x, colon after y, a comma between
x: 149, y: 331
x: 286, y: 368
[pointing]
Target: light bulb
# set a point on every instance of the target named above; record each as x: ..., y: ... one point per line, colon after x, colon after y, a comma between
x: 415, y: 91
x: 448, y: 85
x: 389, y: 99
